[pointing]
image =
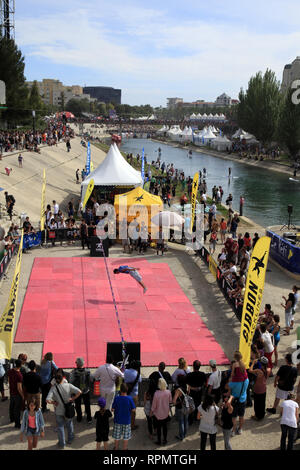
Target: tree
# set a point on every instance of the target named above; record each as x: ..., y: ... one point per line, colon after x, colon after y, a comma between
x: 289, y: 124
x: 35, y: 101
x: 258, y: 109
x: 12, y: 73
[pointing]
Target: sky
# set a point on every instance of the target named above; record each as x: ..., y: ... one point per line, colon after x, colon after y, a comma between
x: 159, y: 49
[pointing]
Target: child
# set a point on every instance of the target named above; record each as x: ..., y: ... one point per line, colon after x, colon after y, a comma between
x: 133, y: 272
x: 102, y: 425
x: 32, y: 424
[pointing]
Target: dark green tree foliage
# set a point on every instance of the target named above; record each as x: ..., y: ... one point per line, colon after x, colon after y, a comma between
x: 259, y: 106
x: 35, y: 101
x: 289, y: 124
x: 12, y: 73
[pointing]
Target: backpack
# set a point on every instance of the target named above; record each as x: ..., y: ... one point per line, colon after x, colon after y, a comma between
x: 80, y: 380
x: 188, y: 404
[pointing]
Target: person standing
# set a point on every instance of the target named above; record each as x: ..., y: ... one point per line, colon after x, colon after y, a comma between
x: 60, y: 394
x: 84, y: 234
x: 77, y: 175
x: 108, y: 374
x: 48, y: 367
x: 288, y: 310
x: 20, y: 160
x: 2, y: 375
x: 260, y: 387
x: 123, y: 407
x: 226, y: 419
x: 284, y: 382
x: 32, y: 384
x: 214, y: 381
x: 102, y: 424
x: 239, y: 392
x: 33, y: 425
x: 80, y: 378
x: 132, y: 378
x: 160, y: 408
x: 182, y: 369
x: 289, y: 422
x: 179, y: 396
x: 267, y: 340
x: 294, y: 308
x: 196, y: 381
x: 15, y: 380
x: 207, y: 413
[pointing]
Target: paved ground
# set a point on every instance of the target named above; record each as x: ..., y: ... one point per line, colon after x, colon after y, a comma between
x: 193, y: 276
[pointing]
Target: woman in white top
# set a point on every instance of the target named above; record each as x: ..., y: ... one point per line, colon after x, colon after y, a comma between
x: 207, y: 413
x: 289, y: 422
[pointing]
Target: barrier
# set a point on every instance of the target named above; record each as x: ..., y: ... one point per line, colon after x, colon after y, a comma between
x: 284, y: 253
x: 222, y: 282
x: 6, y: 260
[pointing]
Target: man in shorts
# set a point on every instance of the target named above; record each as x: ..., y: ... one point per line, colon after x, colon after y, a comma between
x: 122, y: 407
x: 133, y: 272
x: 284, y: 382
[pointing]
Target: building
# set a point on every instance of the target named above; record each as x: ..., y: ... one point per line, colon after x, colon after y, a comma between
x: 53, y: 92
x: 173, y: 102
x: 291, y: 72
x: 104, y: 94
x: 223, y: 100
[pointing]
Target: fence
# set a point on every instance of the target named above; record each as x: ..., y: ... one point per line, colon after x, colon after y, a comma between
x: 6, y: 260
x: 222, y: 282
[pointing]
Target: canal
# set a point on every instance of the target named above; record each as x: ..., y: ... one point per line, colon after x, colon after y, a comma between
x: 267, y: 193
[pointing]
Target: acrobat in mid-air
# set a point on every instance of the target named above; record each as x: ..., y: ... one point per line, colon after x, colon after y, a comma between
x: 133, y: 272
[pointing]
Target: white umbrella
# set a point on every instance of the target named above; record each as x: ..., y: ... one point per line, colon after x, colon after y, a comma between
x: 168, y: 219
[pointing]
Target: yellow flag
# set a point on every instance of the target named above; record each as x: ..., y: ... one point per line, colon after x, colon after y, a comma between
x: 194, y: 198
x: 43, y: 217
x: 89, y: 191
x: 253, y: 295
x: 8, y: 317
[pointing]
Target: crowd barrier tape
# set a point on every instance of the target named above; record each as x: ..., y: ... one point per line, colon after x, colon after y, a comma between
x: 221, y: 281
x: 6, y: 260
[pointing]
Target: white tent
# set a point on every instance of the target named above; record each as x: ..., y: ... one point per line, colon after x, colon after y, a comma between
x: 113, y: 171
x: 238, y: 133
x: 221, y: 143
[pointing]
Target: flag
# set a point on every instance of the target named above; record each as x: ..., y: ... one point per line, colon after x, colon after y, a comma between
x: 194, y: 198
x: 88, y: 159
x: 89, y: 191
x: 143, y: 166
x: 253, y: 295
x: 43, y: 216
x: 7, y: 319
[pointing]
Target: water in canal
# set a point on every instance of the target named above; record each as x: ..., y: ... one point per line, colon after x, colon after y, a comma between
x: 267, y: 193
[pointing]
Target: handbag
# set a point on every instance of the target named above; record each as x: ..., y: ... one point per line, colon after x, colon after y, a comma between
x: 131, y: 385
x: 69, y: 407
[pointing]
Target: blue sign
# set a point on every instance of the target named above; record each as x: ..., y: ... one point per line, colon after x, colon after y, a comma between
x: 32, y: 239
x: 284, y: 253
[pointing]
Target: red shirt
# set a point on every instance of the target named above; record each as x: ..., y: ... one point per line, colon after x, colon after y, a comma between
x: 14, y: 377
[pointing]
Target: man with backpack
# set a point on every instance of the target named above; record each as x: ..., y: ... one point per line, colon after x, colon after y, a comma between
x: 80, y: 378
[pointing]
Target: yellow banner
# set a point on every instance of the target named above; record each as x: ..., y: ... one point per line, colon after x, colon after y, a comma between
x: 194, y: 198
x: 7, y: 320
x: 253, y: 295
x: 43, y: 217
x: 213, y: 267
x: 89, y: 191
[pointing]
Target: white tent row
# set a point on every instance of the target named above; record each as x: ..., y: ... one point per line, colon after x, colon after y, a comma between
x: 113, y: 171
x: 179, y: 135
x: 162, y: 129
x: 205, y: 117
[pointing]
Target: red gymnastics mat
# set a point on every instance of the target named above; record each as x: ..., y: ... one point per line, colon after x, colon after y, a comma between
x: 68, y: 307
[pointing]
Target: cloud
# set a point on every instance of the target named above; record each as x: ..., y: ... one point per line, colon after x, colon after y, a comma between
x: 153, y: 49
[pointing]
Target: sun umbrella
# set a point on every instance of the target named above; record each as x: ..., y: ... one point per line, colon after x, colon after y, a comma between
x: 168, y: 219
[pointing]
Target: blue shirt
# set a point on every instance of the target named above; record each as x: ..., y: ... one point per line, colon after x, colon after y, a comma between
x: 123, y: 269
x: 46, y: 371
x: 122, y: 406
x: 237, y: 387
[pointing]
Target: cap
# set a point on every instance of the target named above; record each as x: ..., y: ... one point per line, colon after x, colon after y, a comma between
x: 102, y: 402
x: 213, y: 362
x: 264, y: 360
